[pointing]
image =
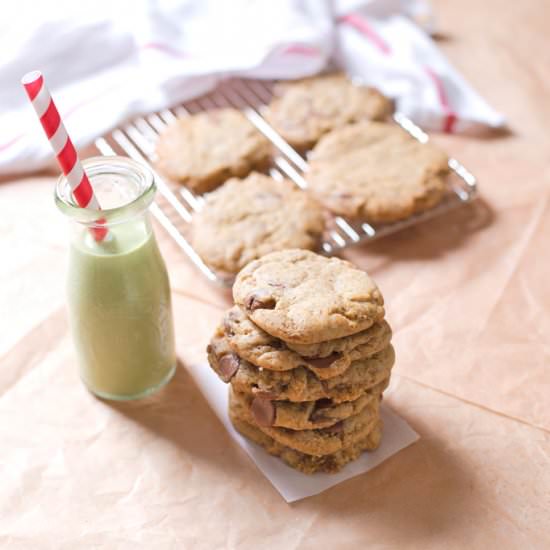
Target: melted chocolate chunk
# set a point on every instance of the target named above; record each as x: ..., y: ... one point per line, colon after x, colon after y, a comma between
x: 344, y: 196
x: 228, y: 365
x: 263, y: 411
x: 335, y: 428
x: 276, y: 285
x: 227, y: 328
x: 260, y: 299
x: 317, y: 414
x: 323, y: 403
x: 323, y: 362
x: 276, y: 344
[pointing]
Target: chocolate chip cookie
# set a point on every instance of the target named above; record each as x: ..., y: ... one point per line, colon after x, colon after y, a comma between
x: 245, y: 219
x: 304, y: 110
x: 301, y: 385
x: 298, y: 384
x: 377, y: 172
x: 306, y: 463
x: 263, y: 350
x: 316, y: 442
x: 301, y: 297
x: 203, y: 150
x: 307, y: 415
x: 345, y: 345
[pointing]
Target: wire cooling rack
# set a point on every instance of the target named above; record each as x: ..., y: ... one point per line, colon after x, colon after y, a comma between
x: 175, y: 205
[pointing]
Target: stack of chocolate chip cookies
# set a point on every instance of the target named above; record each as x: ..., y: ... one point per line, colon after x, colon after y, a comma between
x: 307, y: 352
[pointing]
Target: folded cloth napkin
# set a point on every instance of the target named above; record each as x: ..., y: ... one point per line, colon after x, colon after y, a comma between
x: 106, y: 61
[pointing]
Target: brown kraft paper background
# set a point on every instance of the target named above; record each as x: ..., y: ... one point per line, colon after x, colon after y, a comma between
x: 468, y: 296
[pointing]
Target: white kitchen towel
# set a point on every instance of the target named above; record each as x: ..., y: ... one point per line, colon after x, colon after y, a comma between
x: 291, y: 484
x: 107, y: 61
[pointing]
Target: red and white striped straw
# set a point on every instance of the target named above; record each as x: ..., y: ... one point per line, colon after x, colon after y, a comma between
x: 62, y: 145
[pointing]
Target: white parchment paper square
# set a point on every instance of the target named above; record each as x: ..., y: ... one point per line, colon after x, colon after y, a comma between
x: 294, y: 485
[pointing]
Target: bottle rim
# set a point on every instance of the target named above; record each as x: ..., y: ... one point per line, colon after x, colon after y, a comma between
x: 115, y: 165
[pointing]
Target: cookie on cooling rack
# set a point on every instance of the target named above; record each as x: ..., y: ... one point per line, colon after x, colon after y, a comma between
x: 203, y: 150
x: 304, y: 110
x: 377, y: 172
x: 247, y: 218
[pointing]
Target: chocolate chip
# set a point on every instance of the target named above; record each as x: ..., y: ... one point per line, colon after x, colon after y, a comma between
x: 276, y: 284
x: 335, y: 428
x: 228, y: 365
x: 323, y: 403
x: 227, y: 327
x: 263, y: 411
x: 323, y: 362
x: 260, y: 299
x: 317, y: 414
x: 276, y: 344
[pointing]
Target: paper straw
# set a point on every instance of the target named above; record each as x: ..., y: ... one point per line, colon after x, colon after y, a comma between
x: 62, y: 146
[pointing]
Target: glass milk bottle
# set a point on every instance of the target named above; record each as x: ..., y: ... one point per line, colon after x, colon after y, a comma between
x: 118, y: 290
